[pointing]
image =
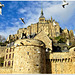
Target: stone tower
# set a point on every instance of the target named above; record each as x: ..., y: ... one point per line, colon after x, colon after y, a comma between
x: 29, y: 57
x: 41, y: 18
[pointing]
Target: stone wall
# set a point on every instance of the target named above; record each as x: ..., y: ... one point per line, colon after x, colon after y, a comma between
x: 46, y: 25
x: 43, y: 37
x: 5, y: 70
x: 61, y: 63
x: 29, y: 57
x: 2, y: 50
x: 8, y: 58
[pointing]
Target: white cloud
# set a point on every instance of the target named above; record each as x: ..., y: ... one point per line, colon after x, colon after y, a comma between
x: 33, y: 14
x: 22, y: 10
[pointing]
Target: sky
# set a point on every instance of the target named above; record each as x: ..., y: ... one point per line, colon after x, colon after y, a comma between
x: 31, y: 11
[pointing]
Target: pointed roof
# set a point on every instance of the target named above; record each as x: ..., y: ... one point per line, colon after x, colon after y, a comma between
x: 51, y: 19
x: 41, y: 11
x: 41, y: 14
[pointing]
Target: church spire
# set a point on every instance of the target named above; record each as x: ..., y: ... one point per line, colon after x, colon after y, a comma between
x: 51, y: 19
x: 41, y: 12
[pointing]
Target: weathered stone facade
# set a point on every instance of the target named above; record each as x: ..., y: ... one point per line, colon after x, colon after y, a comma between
x: 34, y: 55
x: 30, y: 57
x: 46, y: 25
x: 2, y: 50
x: 61, y: 63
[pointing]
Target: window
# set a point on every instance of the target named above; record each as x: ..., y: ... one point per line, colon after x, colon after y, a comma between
x: 27, y: 53
x: 7, y: 51
x: 9, y: 55
x: 6, y: 56
x: 12, y: 63
x: 13, y: 55
x: 28, y: 69
x: 41, y: 19
x: 8, y: 63
x: 37, y: 65
x: 5, y: 63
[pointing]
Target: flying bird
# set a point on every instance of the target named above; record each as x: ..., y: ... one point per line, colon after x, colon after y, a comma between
x: 22, y: 19
x: 64, y: 3
x: 1, y: 5
x: 54, y: 23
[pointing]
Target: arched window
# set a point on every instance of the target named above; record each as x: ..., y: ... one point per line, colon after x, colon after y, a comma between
x: 10, y: 49
x: 6, y: 56
x: 7, y: 51
x: 12, y: 63
x: 13, y: 55
x: 9, y: 56
x: 8, y: 63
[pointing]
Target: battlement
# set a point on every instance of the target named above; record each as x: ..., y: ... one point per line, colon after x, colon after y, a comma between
x: 29, y: 42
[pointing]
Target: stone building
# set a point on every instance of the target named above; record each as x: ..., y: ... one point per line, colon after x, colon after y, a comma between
x: 32, y: 51
x: 29, y: 56
x: 51, y: 29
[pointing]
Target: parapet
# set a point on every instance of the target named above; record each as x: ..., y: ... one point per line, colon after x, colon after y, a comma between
x: 30, y: 42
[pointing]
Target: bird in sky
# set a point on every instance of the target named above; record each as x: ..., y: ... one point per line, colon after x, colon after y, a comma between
x: 64, y: 3
x: 22, y: 19
x: 54, y: 23
x: 1, y: 5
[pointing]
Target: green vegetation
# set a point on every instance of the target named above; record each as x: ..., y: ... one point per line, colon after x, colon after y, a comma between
x: 50, y: 38
x: 57, y: 38
x: 2, y: 44
x: 60, y: 39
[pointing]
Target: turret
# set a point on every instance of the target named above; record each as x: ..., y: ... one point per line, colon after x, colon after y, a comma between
x: 51, y: 19
x: 41, y: 18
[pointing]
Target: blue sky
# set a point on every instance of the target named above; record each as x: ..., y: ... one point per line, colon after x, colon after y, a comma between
x: 30, y: 11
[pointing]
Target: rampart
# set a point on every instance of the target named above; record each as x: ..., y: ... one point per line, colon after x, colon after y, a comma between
x: 61, y: 63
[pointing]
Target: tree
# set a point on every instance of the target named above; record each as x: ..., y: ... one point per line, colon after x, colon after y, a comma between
x: 2, y: 39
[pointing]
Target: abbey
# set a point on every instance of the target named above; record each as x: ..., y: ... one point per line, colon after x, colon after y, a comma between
x: 51, y: 29
x: 31, y: 50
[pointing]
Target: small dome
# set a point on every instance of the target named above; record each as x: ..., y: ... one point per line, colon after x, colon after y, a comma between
x: 41, y: 16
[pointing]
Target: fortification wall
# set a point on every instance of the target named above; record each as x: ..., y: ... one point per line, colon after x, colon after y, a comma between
x: 5, y: 70
x: 29, y: 57
x: 61, y: 63
x: 65, y: 67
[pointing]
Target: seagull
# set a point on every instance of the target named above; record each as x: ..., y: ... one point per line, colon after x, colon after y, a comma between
x: 38, y: 51
x: 54, y: 23
x: 15, y: 45
x: 1, y: 5
x: 46, y: 49
x: 64, y: 3
x: 22, y: 20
